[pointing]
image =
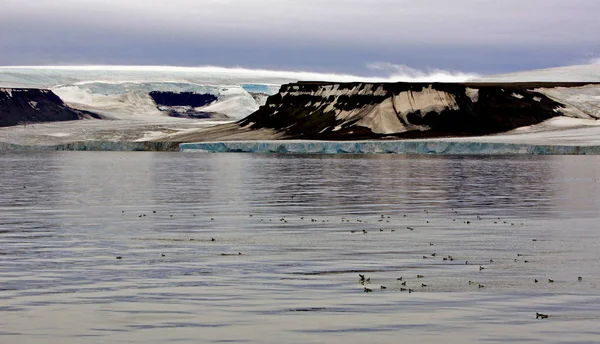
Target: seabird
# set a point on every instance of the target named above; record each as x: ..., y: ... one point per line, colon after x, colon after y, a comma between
x: 400, y: 279
x: 404, y: 283
x: 550, y: 281
x: 540, y: 315
x: 580, y: 278
x: 423, y: 285
x: 420, y: 276
x: 119, y: 257
x: 367, y: 290
x: 383, y: 287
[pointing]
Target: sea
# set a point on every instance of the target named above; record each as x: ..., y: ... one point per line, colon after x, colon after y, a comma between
x: 157, y: 247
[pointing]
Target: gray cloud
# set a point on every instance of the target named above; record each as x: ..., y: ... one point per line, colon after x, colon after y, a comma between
x: 427, y: 33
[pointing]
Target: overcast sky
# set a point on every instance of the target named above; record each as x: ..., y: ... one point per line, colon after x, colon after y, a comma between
x: 366, y: 37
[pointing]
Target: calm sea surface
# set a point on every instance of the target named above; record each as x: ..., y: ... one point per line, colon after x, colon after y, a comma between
x: 234, y: 248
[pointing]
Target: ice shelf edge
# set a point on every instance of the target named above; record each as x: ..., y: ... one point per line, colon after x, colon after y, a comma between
x: 387, y: 147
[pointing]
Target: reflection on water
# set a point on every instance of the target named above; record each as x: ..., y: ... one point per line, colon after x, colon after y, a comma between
x: 284, y: 262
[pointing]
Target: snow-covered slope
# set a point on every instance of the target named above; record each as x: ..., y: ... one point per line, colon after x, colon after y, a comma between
x: 578, y: 73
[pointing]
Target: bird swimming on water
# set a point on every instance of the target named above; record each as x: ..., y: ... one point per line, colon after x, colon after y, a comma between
x: 540, y: 315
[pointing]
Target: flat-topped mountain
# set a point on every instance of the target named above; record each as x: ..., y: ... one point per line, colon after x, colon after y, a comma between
x: 348, y: 111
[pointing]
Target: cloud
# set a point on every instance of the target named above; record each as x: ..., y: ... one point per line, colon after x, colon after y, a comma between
x: 406, y: 73
x: 50, y: 76
x: 370, y: 23
x: 491, y: 33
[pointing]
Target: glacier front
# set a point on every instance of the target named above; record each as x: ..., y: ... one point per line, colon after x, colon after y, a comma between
x: 387, y: 147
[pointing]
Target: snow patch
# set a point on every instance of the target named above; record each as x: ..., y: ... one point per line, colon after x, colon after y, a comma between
x: 425, y: 101
x: 33, y: 105
x: 518, y: 96
x: 473, y: 93
x: 579, y: 102
x: 8, y: 91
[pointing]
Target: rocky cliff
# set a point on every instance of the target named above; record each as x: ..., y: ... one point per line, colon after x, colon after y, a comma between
x: 319, y: 110
x: 22, y: 106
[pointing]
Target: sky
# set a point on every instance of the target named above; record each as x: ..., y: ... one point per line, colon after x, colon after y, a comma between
x: 367, y: 37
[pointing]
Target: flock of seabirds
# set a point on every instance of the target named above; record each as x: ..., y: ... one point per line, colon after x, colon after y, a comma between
x: 366, y: 281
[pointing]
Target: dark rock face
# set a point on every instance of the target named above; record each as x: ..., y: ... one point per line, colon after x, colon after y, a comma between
x: 22, y: 106
x: 182, y: 99
x: 330, y: 111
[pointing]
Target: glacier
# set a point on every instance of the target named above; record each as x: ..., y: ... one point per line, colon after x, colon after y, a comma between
x: 123, y: 92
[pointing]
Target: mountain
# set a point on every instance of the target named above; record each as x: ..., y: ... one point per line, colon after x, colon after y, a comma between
x: 350, y: 111
x: 23, y: 106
